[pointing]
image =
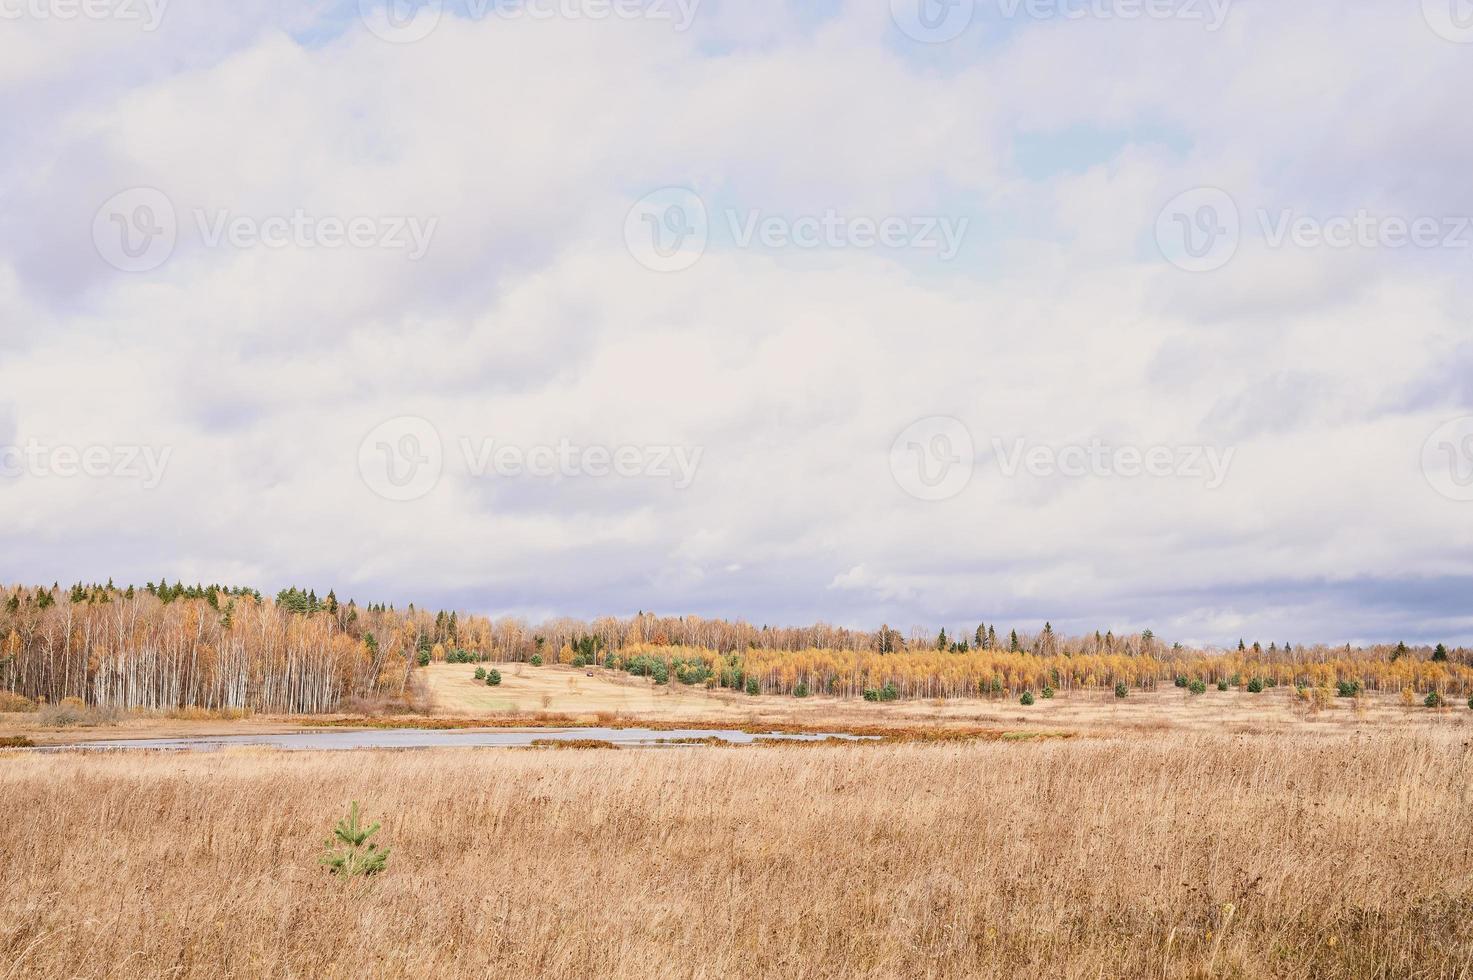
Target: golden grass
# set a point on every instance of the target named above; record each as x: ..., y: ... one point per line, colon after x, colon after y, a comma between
x: 527, y: 693
x: 1177, y: 854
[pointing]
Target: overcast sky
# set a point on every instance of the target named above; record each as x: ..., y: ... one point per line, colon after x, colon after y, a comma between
x: 1117, y: 313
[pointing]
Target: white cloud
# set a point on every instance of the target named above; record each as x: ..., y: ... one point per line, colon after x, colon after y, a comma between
x: 529, y: 323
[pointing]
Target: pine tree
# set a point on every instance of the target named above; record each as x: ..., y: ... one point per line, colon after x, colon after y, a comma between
x: 1440, y: 654
x: 355, y: 856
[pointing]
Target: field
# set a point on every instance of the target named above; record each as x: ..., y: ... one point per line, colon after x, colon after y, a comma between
x: 1169, y: 835
x: 1175, y: 855
x: 527, y: 691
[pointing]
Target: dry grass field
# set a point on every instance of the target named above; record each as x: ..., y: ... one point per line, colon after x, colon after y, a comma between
x: 527, y: 691
x: 1165, y: 854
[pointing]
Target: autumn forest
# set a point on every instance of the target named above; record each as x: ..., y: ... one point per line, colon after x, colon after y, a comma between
x: 164, y: 646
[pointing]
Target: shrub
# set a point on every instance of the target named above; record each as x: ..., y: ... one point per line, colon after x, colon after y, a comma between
x: 1434, y: 700
x: 480, y: 673
x: 355, y: 856
x: 1121, y: 691
x: 580, y: 661
x: 1222, y: 685
x: 889, y: 692
x: 493, y: 678
x: 801, y: 691
x: 1255, y: 685
x: 1197, y: 687
x: 660, y: 671
x: 424, y: 658
x: 1027, y: 698
x: 536, y: 660
x: 1347, y: 689
x: 870, y: 694
x: 1181, y: 681
x: 753, y: 687
x: 1047, y: 692
x: 15, y: 702
x: 1470, y: 704
x: 74, y: 711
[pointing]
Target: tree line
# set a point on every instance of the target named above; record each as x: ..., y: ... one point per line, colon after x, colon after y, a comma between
x: 166, y: 645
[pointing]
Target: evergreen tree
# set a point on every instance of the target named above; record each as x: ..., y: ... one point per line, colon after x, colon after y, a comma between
x: 355, y: 855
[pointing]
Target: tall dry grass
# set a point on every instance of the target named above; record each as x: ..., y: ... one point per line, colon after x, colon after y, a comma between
x: 1184, y: 855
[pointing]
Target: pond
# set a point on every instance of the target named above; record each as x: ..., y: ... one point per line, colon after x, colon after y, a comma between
x: 424, y: 738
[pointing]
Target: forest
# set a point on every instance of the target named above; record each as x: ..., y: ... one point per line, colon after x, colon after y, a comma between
x: 164, y: 646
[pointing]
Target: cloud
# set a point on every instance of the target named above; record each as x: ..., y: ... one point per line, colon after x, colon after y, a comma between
x: 529, y: 323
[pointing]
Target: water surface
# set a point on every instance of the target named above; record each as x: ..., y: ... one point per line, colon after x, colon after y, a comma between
x: 426, y: 738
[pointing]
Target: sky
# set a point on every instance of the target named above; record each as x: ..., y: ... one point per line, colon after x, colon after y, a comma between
x: 1119, y: 314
